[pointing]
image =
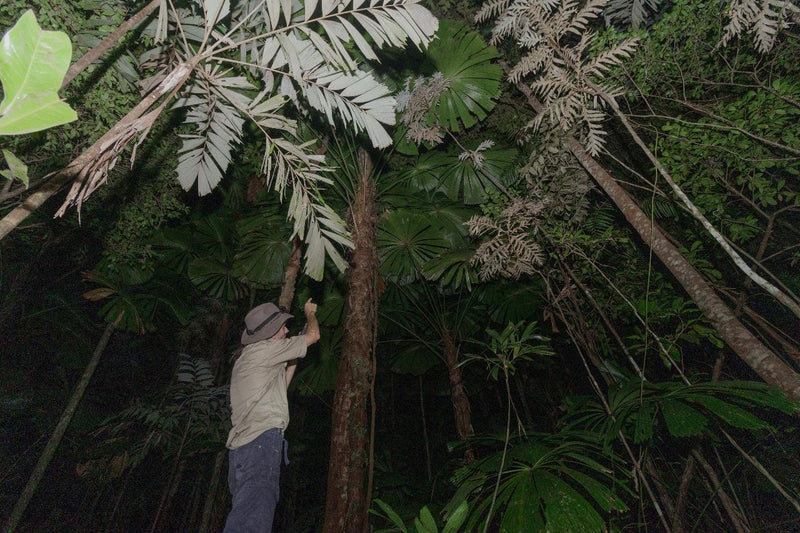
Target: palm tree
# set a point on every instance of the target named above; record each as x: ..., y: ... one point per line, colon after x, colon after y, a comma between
x: 300, y: 53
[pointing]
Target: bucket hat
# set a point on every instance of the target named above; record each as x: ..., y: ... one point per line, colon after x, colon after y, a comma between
x: 263, y: 321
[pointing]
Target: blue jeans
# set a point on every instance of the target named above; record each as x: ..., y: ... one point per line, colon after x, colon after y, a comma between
x: 254, y: 480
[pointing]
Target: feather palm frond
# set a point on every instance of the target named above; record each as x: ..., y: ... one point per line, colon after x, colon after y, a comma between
x: 206, y: 154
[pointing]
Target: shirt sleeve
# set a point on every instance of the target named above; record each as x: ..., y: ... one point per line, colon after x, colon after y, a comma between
x: 287, y: 349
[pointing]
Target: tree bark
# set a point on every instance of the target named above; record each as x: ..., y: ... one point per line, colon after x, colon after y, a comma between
x: 461, y: 408
x: 58, y: 434
x: 290, y: 275
x: 345, y: 501
x: 761, y: 359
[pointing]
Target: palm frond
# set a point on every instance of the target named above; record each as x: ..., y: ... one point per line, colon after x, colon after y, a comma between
x: 206, y: 154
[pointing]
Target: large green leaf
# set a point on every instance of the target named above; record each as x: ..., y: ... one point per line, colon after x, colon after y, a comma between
x: 565, y: 509
x: 682, y: 420
x: 32, y: 66
x: 544, y: 486
x: 16, y: 168
x: 264, y: 249
x: 318, y: 375
x: 732, y: 414
x: 215, y: 279
x: 176, y: 247
x: 406, y: 241
x: 465, y: 60
x: 460, y: 178
x: 452, y: 269
x: 464, y: 180
x: 413, y: 360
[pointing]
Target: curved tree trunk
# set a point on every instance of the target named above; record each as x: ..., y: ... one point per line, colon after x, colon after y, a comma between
x: 290, y: 275
x: 752, y: 351
x: 58, y: 434
x: 461, y: 409
x: 345, y: 501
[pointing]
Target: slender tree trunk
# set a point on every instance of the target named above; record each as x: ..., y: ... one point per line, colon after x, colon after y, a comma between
x: 290, y: 275
x: 171, y: 488
x: 461, y: 408
x: 761, y: 359
x: 424, y: 429
x: 345, y: 500
x: 213, y: 485
x: 190, y: 513
x: 683, y: 493
x: 58, y: 434
x: 106, y: 44
x: 715, y: 488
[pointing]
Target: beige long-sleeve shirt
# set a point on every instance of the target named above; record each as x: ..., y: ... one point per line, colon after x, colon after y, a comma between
x: 258, y: 388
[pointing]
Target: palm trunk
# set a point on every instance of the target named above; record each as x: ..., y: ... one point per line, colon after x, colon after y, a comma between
x: 345, y: 501
x: 730, y: 329
x: 461, y: 408
x: 58, y: 434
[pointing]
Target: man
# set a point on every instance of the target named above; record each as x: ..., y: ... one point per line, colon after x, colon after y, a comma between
x: 260, y: 413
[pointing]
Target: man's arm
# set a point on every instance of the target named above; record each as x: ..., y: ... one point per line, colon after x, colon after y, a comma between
x: 312, y: 326
x: 312, y: 335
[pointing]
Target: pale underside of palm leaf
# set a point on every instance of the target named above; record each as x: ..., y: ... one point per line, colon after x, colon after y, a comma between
x: 298, y: 46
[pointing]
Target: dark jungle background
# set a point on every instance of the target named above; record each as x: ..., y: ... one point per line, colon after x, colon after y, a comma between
x: 554, y: 245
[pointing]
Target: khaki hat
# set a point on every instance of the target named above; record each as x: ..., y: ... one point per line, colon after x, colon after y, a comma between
x: 263, y: 321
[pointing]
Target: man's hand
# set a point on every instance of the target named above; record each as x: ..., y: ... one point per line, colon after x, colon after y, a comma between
x: 312, y: 326
x: 310, y: 308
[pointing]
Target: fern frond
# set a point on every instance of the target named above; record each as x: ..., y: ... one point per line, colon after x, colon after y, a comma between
x: 634, y: 13
x: 491, y: 9
x: 763, y: 18
x: 589, y: 12
x: 595, y: 133
x: 603, y: 62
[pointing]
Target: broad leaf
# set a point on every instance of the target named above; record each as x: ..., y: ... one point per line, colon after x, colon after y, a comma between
x: 215, y: 279
x: 32, y: 66
x: 731, y: 414
x: 318, y: 375
x: 465, y: 180
x: 465, y: 60
x: 406, y: 241
x: 414, y: 361
x: 16, y: 168
x: 682, y: 420
x: 264, y: 249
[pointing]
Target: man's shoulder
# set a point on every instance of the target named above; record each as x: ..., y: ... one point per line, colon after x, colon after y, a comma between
x: 272, y: 346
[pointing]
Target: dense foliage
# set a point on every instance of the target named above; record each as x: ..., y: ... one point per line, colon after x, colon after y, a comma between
x: 534, y: 365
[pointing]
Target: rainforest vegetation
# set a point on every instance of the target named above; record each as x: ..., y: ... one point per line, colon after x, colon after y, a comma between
x: 555, y: 246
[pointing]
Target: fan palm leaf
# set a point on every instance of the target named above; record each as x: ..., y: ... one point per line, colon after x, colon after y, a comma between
x: 406, y: 241
x: 465, y: 60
